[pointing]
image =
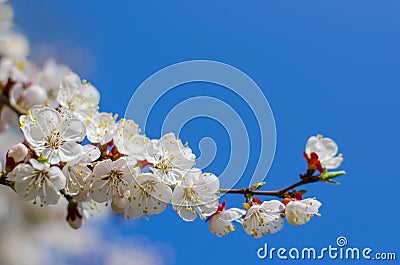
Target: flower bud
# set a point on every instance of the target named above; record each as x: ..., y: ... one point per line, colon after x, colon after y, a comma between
x: 285, y: 201
x: 35, y: 95
x: 74, y: 217
x: 76, y: 223
x: 118, y: 204
x: 15, y: 155
x: 298, y: 196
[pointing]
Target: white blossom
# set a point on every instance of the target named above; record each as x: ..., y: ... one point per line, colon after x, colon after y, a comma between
x: 81, y: 99
x: 23, y: 98
x: 77, y: 171
x: 14, y: 45
x: 38, y: 180
x: 19, y: 71
x: 299, y: 212
x: 197, y: 194
x: 51, y: 78
x: 170, y: 158
x: 111, y: 180
x: 128, y: 140
x: 220, y: 223
x: 52, y: 136
x: 326, y: 149
x: 148, y: 196
x: 264, y: 219
x: 100, y: 127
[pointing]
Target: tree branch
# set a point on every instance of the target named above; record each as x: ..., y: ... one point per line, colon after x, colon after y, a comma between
x: 4, y: 100
x: 276, y: 193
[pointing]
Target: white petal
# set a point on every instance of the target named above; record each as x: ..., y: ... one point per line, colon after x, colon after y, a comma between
x: 258, y: 223
x: 47, y: 119
x: 232, y: 214
x: 51, y: 154
x: 300, y: 212
x: 312, y: 205
x: 273, y: 222
x: 56, y: 178
x: 295, y: 213
x: 48, y: 195
x: 69, y: 151
x: 100, y: 191
x: 92, y: 152
x: 163, y: 192
x: 39, y: 166
x: 131, y: 213
x: 273, y: 206
x: 332, y: 163
x: 187, y: 214
x: 73, y: 130
x: 26, y: 191
x: 325, y: 147
x: 219, y: 226
x: 103, y: 168
x: 181, y: 205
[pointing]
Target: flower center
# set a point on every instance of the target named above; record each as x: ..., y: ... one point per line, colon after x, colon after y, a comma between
x: 190, y: 193
x: 54, y: 140
x: 164, y: 165
x: 115, y: 174
x: 148, y: 187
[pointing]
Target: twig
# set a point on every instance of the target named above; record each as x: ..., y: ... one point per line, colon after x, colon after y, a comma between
x: 276, y: 193
x: 5, y: 101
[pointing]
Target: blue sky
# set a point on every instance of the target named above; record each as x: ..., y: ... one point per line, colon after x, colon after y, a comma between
x: 328, y: 67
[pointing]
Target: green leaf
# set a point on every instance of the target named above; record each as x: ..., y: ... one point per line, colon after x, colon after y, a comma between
x: 302, y: 192
x: 331, y: 175
x: 257, y: 186
x: 333, y: 182
x: 42, y: 159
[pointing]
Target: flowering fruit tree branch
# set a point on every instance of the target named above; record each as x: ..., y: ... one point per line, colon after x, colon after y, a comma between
x: 119, y: 166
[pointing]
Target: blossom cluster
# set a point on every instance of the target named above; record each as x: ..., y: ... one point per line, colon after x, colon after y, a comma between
x: 73, y: 150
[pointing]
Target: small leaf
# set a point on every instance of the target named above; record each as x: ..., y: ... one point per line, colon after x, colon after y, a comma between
x: 302, y: 192
x: 257, y: 186
x: 333, y: 182
x: 331, y: 175
x: 42, y: 159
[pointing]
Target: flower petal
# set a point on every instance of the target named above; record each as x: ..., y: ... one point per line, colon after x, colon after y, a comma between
x: 73, y: 130
x: 69, y: 151
x: 332, y: 163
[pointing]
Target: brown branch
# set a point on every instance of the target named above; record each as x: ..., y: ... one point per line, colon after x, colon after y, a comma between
x: 5, y: 182
x: 276, y: 193
x: 4, y: 100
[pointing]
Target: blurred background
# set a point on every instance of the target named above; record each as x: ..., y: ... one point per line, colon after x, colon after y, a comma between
x: 328, y: 67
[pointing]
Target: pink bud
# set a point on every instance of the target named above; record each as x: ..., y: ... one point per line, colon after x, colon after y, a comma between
x: 15, y: 155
